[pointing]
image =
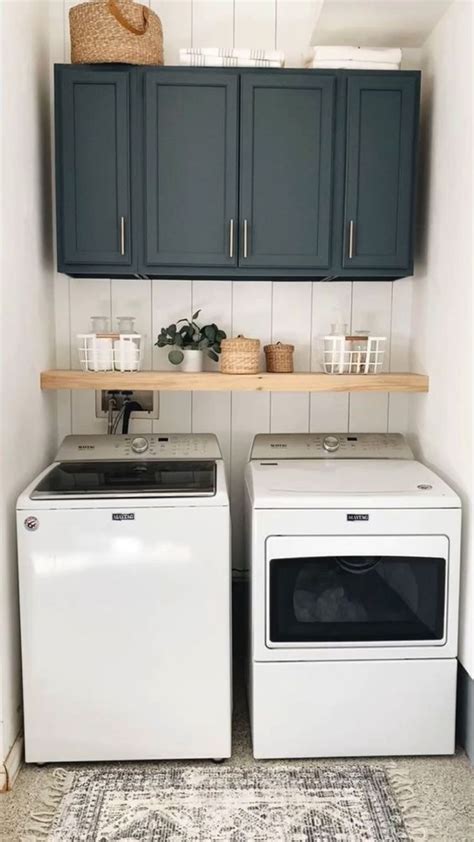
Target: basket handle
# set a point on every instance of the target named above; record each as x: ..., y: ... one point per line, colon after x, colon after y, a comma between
x: 115, y: 11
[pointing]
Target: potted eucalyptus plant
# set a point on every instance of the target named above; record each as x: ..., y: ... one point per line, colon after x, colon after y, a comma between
x: 190, y: 342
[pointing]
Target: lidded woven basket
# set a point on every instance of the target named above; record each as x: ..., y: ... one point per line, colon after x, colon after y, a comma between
x: 240, y: 355
x: 279, y: 357
x: 115, y: 31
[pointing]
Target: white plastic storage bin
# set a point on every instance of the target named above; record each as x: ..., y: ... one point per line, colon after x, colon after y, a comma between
x: 116, y: 352
x: 353, y: 354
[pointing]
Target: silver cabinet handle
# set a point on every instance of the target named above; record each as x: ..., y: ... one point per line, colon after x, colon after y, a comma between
x: 246, y: 239
x: 351, y: 239
x: 122, y: 235
x: 231, y: 238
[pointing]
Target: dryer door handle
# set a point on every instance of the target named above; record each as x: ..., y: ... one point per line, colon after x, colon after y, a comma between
x: 358, y: 564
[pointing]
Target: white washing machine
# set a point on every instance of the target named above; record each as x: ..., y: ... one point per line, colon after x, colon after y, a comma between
x: 124, y: 564
x: 354, y: 551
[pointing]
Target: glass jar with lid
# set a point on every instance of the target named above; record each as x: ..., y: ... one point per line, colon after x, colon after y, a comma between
x: 356, y: 351
x: 126, y: 324
x: 100, y: 324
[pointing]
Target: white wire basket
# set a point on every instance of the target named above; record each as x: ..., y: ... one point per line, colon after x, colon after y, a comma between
x: 353, y: 354
x: 110, y: 352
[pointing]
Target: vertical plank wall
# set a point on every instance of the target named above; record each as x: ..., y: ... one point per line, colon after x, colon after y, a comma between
x: 299, y: 311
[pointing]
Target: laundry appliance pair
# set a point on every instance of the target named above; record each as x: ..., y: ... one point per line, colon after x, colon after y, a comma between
x: 125, y: 582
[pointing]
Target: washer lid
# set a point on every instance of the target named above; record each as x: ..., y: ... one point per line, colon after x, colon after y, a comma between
x: 370, y: 483
x: 127, y: 478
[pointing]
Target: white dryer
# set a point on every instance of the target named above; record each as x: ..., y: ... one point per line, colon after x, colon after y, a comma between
x: 355, y: 553
x: 124, y: 565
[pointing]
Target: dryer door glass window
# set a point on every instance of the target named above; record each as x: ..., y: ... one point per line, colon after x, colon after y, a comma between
x: 357, y: 598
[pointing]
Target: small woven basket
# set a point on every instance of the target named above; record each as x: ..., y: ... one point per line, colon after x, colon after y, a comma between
x: 279, y: 357
x: 115, y: 31
x: 240, y: 356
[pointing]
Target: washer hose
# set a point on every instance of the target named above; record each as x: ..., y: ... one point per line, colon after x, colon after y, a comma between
x: 129, y: 407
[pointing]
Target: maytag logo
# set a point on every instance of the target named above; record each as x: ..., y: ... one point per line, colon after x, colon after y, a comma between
x: 277, y: 444
x: 123, y: 516
x: 86, y: 446
x: 356, y: 517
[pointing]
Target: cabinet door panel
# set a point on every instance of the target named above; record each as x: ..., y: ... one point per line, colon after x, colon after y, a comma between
x: 381, y: 132
x: 94, y: 167
x: 286, y: 170
x: 190, y: 168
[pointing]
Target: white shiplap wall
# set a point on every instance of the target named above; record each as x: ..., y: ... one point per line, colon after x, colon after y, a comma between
x: 298, y: 311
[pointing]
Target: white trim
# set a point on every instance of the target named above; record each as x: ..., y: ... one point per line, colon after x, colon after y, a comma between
x: 12, y: 764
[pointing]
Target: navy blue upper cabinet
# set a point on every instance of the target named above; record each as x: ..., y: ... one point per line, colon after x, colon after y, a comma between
x: 190, y: 169
x: 93, y: 170
x: 180, y: 172
x: 381, y: 130
x: 286, y: 167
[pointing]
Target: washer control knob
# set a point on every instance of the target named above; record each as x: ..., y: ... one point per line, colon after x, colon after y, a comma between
x: 140, y: 444
x: 331, y: 443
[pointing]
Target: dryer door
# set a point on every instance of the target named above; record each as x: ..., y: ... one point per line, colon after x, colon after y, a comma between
x: 356, y: 591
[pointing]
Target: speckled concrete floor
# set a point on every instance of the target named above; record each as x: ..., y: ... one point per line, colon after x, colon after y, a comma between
x: 443, y: 788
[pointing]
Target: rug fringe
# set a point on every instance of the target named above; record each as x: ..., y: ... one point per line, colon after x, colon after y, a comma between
x: 406, y: 795
x: 40, y: 821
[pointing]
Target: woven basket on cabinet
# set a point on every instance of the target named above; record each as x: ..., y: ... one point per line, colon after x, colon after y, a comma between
x: 115, y: 31
x: 279, y: 357
x: 240, y: 356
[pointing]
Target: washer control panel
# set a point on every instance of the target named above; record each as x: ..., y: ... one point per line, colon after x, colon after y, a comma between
x: 331, y: 443
x: 139, y: 446
x: 331, y: 446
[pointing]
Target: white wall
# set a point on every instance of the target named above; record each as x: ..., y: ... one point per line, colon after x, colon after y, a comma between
x: 297, y: 311
x: 28, y: 417
x: 442, y: 288
x: 35, y: 34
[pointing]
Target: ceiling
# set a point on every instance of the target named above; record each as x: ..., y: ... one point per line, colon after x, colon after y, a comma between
x: 377, y: 23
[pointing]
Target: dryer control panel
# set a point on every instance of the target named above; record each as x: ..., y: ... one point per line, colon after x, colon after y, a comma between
x: 139, y: 446
x: 331, y: 446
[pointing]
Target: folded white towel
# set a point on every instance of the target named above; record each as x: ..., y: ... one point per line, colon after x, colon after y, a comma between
x: 238, y: 53
x: 392, y: 55
x: 189, y: 60
x: 353, y: 65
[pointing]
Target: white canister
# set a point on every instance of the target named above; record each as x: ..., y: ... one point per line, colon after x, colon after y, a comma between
x: 127, y: 353
x: 102, y: 354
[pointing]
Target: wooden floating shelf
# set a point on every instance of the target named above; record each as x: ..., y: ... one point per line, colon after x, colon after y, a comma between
x: 213, y: 381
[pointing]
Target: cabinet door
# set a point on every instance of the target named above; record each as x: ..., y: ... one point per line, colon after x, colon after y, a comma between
x: 93, y: 137
x: 382, y: 114
x: 190, y: 177
x: 287, y: 137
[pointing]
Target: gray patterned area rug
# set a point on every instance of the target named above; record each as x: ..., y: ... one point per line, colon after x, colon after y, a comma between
x: 202, y: 803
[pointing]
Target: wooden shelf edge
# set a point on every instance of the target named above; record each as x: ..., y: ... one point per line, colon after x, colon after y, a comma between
x: 210, y: 381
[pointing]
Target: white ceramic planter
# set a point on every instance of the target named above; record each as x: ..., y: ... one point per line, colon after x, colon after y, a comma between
x: 193, y: 360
